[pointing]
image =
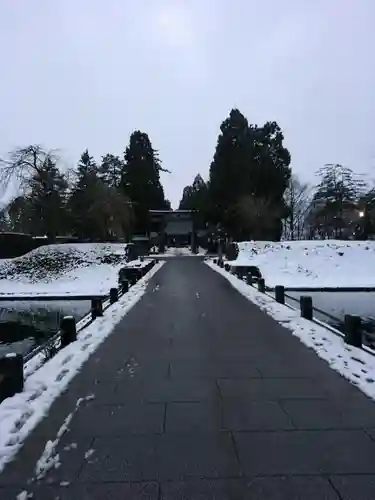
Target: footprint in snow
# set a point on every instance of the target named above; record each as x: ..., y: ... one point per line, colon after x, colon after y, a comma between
x: 67, y: 359
x: 13, y: 440
x: 61, y: 375
x: 36, y: 395
x: 21, y: 421
x: 71, y: 446
x: 358, y: 360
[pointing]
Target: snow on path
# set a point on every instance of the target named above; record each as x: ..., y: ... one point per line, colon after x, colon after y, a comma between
x: 356, y: 365
x: 22, y: 412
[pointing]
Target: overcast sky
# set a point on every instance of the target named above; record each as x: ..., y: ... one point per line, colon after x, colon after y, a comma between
x: 79, y: 74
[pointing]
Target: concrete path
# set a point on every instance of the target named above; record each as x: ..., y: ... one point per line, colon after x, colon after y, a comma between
x: 200, y: 395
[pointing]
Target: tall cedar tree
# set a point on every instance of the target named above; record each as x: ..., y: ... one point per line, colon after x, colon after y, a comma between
x: 141, y: 180
x: 195, y: 197
x: 228, y: 169
x: 249, y: 161
x: 83, y: 198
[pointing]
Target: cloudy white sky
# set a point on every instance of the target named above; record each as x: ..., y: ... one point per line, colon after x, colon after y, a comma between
x: 79, y: 74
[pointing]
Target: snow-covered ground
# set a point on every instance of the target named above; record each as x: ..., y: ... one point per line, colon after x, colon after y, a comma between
x: 69, y: 269
x: 22, y: 412
x: 356, y: 365
x: 323, y: 263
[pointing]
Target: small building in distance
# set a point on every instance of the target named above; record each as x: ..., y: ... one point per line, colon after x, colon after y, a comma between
x: 173, y: 227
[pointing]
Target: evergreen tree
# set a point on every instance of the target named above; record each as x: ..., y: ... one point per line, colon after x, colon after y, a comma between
x: 335, y: 198
x: 84, y: 198
x: 110, y: 170
x: 4, y: 220
x: 250, y: 169
x: 141, y: 180
x: 228, y: 169
x: 87, y: 169
x: 195, y: 197
x: 19, y: 215
x: 47, y: 200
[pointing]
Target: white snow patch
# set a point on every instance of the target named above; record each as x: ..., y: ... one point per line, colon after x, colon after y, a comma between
x: 89, y: 277
x: 138, y: 263
x: 22, y: 412
x: 24, y: 495
x: 49, y: 458
x: 356, y: 365
x: 89, y: 453
x: 311, y: 263
x: 71, y: 446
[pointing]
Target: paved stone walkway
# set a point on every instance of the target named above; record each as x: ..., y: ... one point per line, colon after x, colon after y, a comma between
x: 200, y: 395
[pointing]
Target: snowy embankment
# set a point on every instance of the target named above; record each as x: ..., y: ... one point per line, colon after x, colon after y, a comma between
x: 356, y: 365
x: 69, y: 269
x: 22, y: 412
x: 323, y: 263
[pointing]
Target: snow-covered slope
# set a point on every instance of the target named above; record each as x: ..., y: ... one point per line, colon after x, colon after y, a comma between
x: 328, y: 263
x: 79, y: 268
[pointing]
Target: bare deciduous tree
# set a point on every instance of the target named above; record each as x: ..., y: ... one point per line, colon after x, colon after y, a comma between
x: 297, y: 198
x: 40, y: 207
x: 23, y: 164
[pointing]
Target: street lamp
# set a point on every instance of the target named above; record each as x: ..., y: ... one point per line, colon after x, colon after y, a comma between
x: 363, y: 215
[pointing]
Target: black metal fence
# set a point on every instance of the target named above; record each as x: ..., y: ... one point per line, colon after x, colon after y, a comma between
x: 351, y: 329
x: 12, y: 364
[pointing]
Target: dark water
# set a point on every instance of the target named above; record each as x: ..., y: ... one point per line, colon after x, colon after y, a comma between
x: 338, y: 304
x: 26, y: 324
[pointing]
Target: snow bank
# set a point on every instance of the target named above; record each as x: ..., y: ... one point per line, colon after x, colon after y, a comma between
x: 356, y: 365
x: 328, y: 263
x: 22, y: 412
x: 69, y: 269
